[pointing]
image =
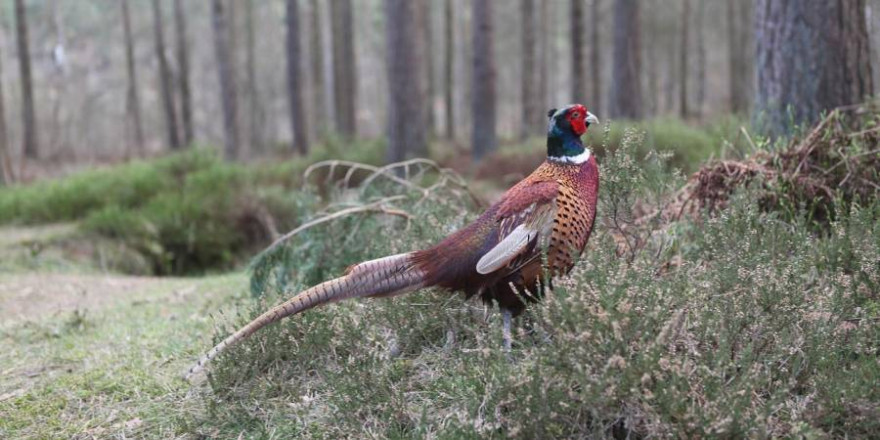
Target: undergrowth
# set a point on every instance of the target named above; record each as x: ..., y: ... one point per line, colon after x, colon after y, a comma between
x: 747, y: 323
x: 184, y: 214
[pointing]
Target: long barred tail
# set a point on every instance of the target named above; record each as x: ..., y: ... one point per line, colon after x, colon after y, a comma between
x: 382, y: 277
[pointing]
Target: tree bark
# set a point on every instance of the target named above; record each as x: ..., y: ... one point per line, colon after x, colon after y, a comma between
x: 5, y: 163
x: 812, y: 57
x: 226, y: 75
x: 317, y: 66
x: 449, y: 68
x: 426, y: 53
x: 626, y: 90
x: 531, y: 107
x: 165, y: 79
x: 595, y: 59
x: 545, y: 34
x: 578, y: 63
x: 651, y: 50
x: 255, y: 110
x: 183, y: 72
x: 683, y: 52
x: 483, y: 94
x: 29, y: 117
x: 406, y: 104
x: 344, y: 67
x: 739, y: 44
x: 701, y: 57
x: 295, y: 91
x: 132, y: 102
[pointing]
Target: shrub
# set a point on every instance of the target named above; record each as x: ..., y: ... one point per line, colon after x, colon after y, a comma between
x: 744, y: 324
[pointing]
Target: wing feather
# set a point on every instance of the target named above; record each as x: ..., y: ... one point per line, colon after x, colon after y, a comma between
x: 526, y: 216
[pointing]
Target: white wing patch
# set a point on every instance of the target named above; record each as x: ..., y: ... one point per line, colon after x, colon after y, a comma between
x: 505, y: 251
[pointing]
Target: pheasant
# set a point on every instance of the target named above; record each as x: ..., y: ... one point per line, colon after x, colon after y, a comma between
x: 500, y: 256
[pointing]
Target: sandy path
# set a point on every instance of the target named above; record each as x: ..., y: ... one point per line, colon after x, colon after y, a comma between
x: 33, y: 296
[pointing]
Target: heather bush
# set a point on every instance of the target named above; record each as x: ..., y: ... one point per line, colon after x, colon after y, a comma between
x: 747, y: 323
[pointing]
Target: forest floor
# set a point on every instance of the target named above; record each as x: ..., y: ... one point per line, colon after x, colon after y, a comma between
x: 91, y: 355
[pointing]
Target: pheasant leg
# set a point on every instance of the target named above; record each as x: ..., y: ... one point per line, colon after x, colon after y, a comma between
x: 506, y: 317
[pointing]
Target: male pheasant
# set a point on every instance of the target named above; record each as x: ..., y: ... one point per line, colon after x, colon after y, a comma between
x: 499, y: 256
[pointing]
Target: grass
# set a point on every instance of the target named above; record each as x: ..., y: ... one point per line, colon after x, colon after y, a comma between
x: 112, y: 369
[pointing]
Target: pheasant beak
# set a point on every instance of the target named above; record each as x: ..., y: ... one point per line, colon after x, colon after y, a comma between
x: 591, y: 119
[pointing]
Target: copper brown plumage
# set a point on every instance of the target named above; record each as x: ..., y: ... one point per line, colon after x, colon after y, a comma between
x: 499, y: 256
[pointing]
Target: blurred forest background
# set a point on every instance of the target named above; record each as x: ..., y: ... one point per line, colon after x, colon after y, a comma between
x: 97, y: 81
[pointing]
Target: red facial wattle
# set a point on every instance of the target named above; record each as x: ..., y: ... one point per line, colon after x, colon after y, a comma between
x: 577, y: 118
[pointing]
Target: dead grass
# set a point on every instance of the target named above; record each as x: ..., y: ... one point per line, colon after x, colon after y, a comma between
x: 838, y: 159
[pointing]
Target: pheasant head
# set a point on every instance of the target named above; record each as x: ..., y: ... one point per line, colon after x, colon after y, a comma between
x: 564, y: 132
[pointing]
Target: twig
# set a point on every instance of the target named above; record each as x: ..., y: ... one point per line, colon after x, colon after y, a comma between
x: 371, y: 207
x: 863, y: 132
x: 748, y: 138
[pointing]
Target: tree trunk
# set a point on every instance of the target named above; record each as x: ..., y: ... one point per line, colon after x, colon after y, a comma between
x: 544, y: 33
x: 255, y: 110
x: 739, y: 42
x: 531, y: 105
x: 427, y: 59
x: 406, y: 129
x: 626, y: 90
x: 317, y: 66
x: 226, y: 75
x: 29, y: 117
x: 701, y: 57
x: 344, y: 67
x: 295, y: 91
x: 683, y: 70
x: 5, y: 163
x: 483, y: 94
x: 812, y: 57
x: 449, y: 72
x: 595, y: 59
x: 165, y: 79
x: 183, y: 72
x: 132, y: 103
x: 651, y: 51
x: 578, y: 66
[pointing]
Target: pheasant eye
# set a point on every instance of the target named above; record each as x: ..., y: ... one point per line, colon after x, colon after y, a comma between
x: 575, y: 115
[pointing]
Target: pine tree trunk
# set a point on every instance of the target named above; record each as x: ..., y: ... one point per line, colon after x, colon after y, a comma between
x: 736, y: 104
x: 739, y: 44
x: 449, y: 68
x: 531, y: 105
x: 165, y: 79
x: 132, y: 102
x: 255, y: 110
x: 406, y: 134
x: 595, y: 101
x: 226, y: 74
x: 701, y: 57
x: 183, y: 72
x: 812, y: 57
x: 544, y: 33
x: 5, y: 163
x: 578, y: 66
x: 651, y: 49
x: 29, y: 113
x: 683, y: 70
x: 344, y: 67
x: 427, y: 58
x: 317, y: 66
x: 626, y: 90
x: 295, y: 91
x: 483, y: 95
